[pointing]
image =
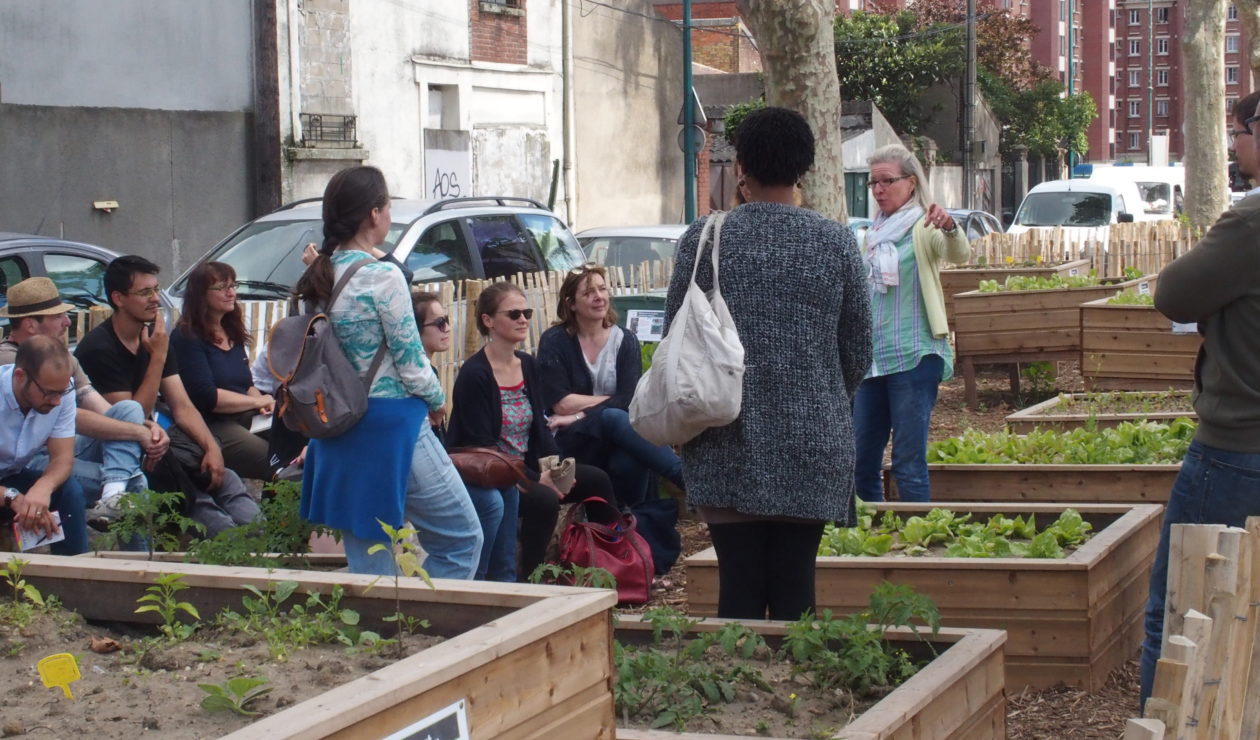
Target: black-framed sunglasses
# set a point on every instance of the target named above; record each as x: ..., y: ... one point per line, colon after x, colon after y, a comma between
x: 516, y: 313
x: 441, y: 323
x: 50, y: 395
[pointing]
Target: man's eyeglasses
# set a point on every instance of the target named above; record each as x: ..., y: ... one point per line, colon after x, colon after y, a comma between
x: 222, y: 286
x: 441, y: 323
x: 886, y: 182
x: 1239, y: 132
x: 516, y: 313
x: 146, y: 292
x: 51, y: 395
x: 1250, y: 120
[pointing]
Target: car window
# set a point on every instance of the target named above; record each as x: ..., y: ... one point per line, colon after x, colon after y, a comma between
x: 80, y: 280
x: 1065, y: 209
x: 596, y: 249
x: 632, y: 251
x: 13, y: 270
x: 503, y: 245
x: 559, y: 248
x: 440, y: 254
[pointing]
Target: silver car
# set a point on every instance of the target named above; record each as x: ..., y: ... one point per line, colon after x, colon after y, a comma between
x: 627, y: 246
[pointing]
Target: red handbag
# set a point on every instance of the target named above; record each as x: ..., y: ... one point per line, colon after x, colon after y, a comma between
x: 596, y: 535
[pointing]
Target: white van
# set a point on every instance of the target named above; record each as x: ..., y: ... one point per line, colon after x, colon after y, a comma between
x: 1082, y: 207
x: 1162, y: 188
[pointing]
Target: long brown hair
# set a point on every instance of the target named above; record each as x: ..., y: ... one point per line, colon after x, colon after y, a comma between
x: 349, y: 198
x: 565, y: 315
x: 195, y: 319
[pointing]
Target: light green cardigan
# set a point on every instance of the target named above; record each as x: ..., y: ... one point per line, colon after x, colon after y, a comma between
x: 932, y: 247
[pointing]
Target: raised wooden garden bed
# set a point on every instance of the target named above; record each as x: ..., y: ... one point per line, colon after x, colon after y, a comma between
x: 1133, y: 348
x: 958, y: 696
x: 1024, y: 325
x: 1058, y: 413
x: 1070, y: 620
x: 962, y: 278
x: 527, y: 661
x: 1068, y: 484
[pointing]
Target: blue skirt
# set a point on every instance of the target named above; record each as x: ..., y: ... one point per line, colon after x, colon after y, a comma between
x: 359, y: 479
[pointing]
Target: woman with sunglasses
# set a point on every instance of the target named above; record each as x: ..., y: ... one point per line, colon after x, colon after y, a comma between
x: 590, y: 367
x: 904, y: 250
x: 209, y: 344
x: 498, y: 403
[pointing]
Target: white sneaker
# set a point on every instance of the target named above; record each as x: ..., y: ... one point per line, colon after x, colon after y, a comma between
x: 104, y: 512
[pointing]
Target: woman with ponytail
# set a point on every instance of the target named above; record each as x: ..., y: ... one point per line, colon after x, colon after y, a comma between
x: 388, y: 467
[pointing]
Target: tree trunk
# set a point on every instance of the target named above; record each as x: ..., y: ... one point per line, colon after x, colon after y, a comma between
x: 1203, y: 52
x: 1249, y: 16
x: 796, y: 39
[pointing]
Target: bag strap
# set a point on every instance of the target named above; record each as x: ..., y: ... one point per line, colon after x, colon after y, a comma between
x: 377, y: 359
x: 712, y: 231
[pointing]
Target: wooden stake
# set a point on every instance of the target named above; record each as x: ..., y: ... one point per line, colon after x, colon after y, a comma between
x: 1198, y: 630
x: 1250, y: 726
x: 1144, y: 729
x: 1188, y: 548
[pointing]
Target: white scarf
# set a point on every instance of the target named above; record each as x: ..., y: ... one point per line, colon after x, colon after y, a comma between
x: 881, y: 244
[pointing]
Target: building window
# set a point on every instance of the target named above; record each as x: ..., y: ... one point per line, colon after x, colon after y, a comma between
x: 1133, y: 78
x: 1134, y: 17
x: 1231, y: 75
x: 1135, y: 47
x: 1062, y: 45
x: 1135, y: 108
x: 1161, y: 45
x: 1232, y: 13
x: 1062, y: 10
x: 1161, y: 76
x: 1161, y: 15
x: 1161, y: 107
x: 1231, y: 43
x: 1133, y: 139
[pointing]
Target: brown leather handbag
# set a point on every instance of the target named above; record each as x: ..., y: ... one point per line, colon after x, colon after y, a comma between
x: 486, y: 467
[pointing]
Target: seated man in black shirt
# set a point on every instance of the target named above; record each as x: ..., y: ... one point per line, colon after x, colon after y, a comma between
x: 127, y: 358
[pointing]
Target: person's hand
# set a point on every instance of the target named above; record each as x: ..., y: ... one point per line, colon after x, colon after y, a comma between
x: 309, y: 254
x: 266, y: 404
x: 156, y: 340
x: 546, y: 480
x: 437, y: 416
x: 938, y: 217
x: 155, y: 441
x: 301, y: 458
x: 560, y: 421
x: 30, y: 510
x: 212, y: 465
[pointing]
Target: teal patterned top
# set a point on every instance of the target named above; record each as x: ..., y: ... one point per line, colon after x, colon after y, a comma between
x: 375, y: 306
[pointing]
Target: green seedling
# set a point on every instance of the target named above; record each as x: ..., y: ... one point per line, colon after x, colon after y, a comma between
x: 574, y: 575
x: 161, y: 599
x: 21, y: 589
x: 156, y: 517
x: 234, y: 695
x: 406, y: 563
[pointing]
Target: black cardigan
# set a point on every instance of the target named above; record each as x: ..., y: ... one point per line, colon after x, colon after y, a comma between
x: 564, y: 371
x: 477, y: 416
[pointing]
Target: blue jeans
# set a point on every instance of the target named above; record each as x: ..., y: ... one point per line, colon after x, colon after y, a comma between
x: 68, y: 502
x: 498, y: 509
x: 1213, y: 487
x: 438, y: 506
x: 98, y: 461
x: 900, y: 403
x: 632, y: 459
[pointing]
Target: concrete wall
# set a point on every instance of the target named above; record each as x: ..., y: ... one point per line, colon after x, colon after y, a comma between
x: 146, y: 102
x: 628, y: 74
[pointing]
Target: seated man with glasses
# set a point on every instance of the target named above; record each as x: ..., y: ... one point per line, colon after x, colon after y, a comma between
x: 37, y: 411
x: 127, y: 358
x: 114, y: 441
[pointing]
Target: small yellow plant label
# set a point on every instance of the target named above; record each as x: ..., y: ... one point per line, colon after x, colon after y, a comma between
x: 59, y: 670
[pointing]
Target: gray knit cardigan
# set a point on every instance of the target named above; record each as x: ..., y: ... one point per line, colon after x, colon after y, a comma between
x: 797, y: 288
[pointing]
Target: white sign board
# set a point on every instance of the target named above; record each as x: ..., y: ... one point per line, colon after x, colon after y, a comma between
x: 1180, y: 328
x: 447, y: 174
x: 450, y: 723
x: 647, y: 325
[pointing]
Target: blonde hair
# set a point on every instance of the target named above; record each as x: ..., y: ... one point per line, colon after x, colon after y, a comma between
x: 909, y: 165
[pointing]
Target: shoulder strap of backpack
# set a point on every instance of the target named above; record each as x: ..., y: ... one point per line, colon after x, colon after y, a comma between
x: 345, y: 278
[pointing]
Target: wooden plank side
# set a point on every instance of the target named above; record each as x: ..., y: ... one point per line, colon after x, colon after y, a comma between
x: 1041, y: 483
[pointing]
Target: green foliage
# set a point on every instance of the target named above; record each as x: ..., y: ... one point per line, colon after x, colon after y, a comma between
x: 735, y: 115
x: 887, y: 59
x: 156, y: 517
x: 161, y: 599
x: 1040, y: 376
x: 26, y: 597
x: 1132, y: 299
x: 1139, y: 443
x: 281, y: 531
x: 573, y: 575
x: 1039, y: 116
x: 1040, y: 282
x: 234, y: 695
x: 317, y: 621
x: 646, y: 352
x: 406, y: 562
x: 998, y: 537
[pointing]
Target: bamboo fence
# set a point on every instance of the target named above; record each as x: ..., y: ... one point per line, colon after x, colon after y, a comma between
x: 1146, y: 245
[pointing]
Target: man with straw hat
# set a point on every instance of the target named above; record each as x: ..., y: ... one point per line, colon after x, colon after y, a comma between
x: 113, y: 441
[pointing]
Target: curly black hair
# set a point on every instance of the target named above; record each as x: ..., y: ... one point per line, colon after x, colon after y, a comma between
x: 775, y: 146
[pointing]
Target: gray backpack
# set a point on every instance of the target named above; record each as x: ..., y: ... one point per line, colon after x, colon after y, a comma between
x: 320, y: 394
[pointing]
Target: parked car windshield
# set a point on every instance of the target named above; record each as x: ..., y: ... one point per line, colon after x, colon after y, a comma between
x: 267, y: 256
x: 628, y: 251
x: 559, y: 247
x: 1065, y: 209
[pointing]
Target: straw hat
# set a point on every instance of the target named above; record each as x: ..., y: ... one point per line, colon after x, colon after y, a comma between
x: 35, y: 296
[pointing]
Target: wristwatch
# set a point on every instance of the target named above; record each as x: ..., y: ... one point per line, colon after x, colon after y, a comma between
x: 9, y: 495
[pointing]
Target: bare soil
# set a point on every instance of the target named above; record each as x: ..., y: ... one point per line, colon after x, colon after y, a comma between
x: 137, y: 691
x: 1120, y: 402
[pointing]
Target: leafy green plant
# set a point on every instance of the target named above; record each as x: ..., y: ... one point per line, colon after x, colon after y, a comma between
x: 1136, y: 442
x: 573, y: 575
x: 26, y: 597
x: 315, y: 621
x: 1040, y: 378
x: 234, y: 695
x: 161, y: 598
x: 1040, y: 282
x: 406, y: 562
x: 156, y: 517
x: 1132, y: 299
x: 281, y: 533
x: 646, y: 352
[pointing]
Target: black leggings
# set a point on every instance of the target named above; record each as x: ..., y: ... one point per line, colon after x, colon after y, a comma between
x: 540, y: 508
x: 765, y: 566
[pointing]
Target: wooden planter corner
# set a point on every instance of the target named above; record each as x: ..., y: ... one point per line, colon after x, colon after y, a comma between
x: 1072, y: 620
x: 1024, y: 325
x: 1133, y: 348
x: 958, y: 696
x: 1068, y: 484
x: 1043, y: 416
x: 528, y: 661
x: 956, y: 280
